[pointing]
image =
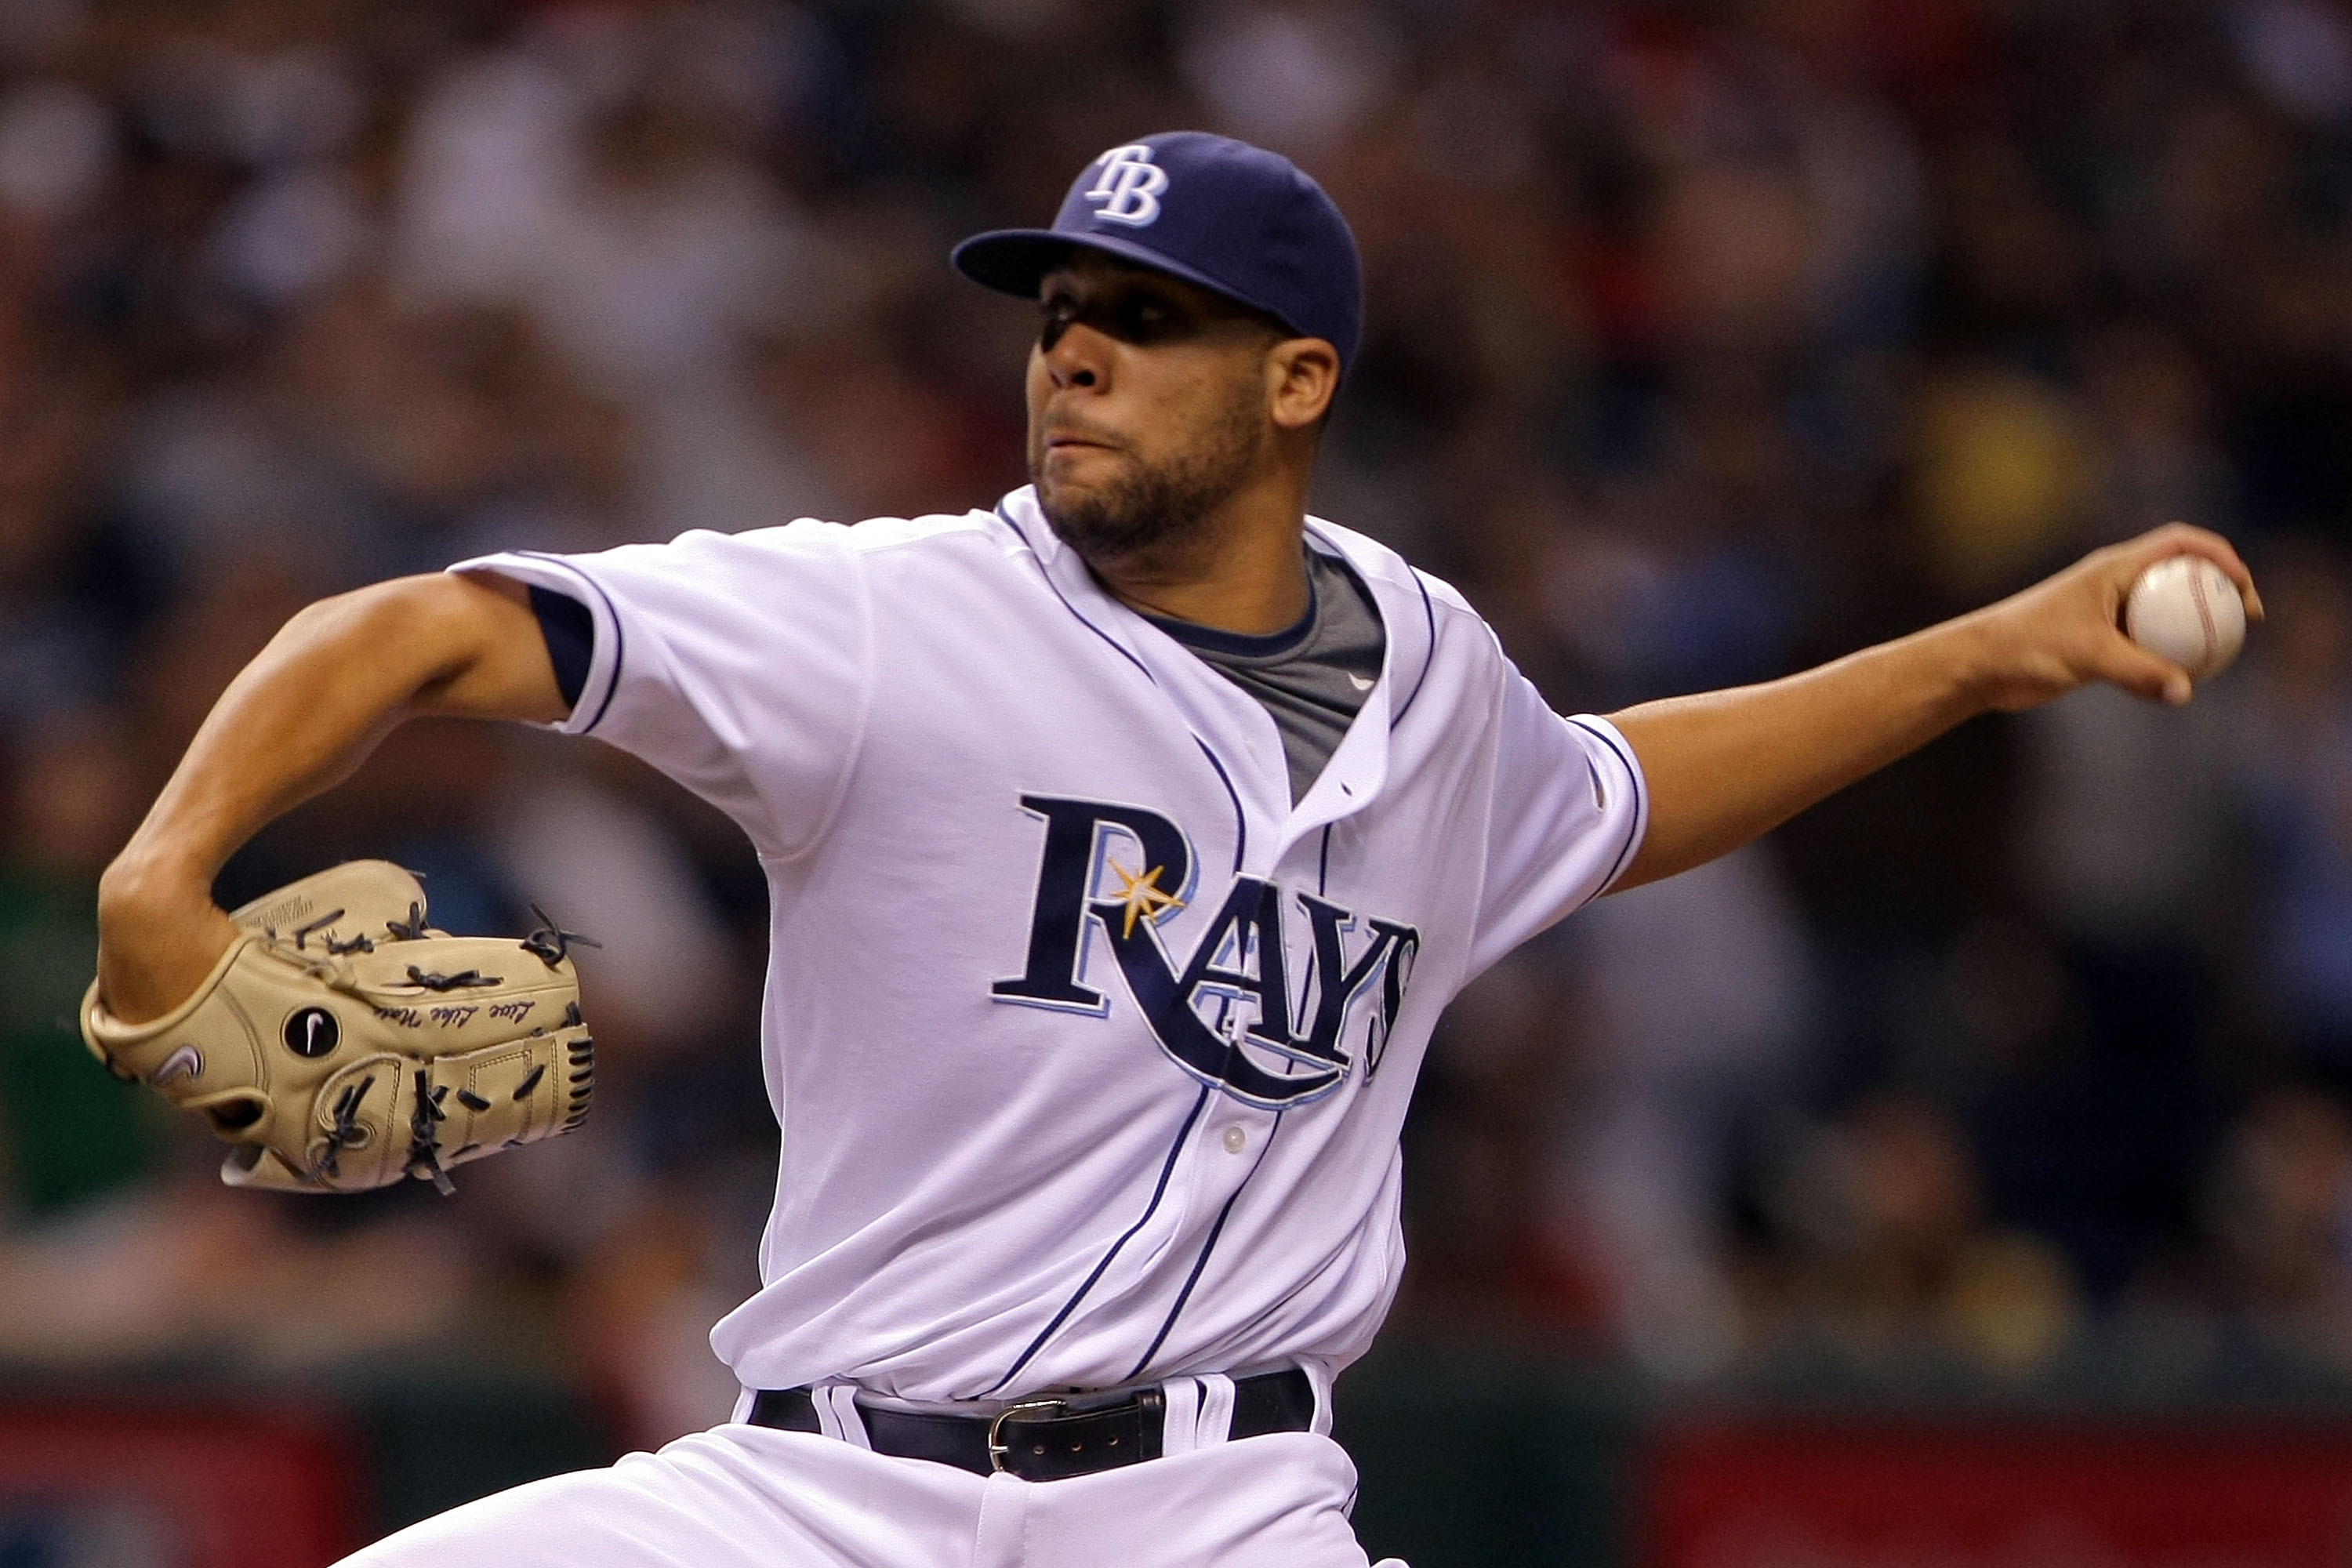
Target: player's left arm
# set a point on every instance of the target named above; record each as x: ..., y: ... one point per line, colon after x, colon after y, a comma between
x: 1724, y: 768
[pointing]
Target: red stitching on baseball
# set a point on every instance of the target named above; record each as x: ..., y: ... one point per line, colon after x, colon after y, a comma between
x: 2204, y: 611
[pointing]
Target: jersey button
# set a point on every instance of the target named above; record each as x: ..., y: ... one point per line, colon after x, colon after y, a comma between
x: 1236, y: 1139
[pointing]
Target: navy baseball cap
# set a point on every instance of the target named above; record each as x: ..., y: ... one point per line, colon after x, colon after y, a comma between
x: 1213, y: 211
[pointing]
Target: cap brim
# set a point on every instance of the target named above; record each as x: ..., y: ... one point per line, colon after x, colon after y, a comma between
x: 1015, y: 260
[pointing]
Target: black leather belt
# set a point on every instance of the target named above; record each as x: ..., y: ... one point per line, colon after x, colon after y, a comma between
x: 1053, y: 1436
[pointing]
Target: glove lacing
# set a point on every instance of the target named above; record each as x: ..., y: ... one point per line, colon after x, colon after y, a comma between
x: 344, y: 1132
x: 425, y: 1135
x: 551, y: 942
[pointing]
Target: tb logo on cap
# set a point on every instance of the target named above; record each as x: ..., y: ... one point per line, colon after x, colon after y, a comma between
x: 1129, y: 189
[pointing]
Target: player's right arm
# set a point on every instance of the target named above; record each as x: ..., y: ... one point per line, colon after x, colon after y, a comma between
x: 299, y: 720
x: 1724, y: 768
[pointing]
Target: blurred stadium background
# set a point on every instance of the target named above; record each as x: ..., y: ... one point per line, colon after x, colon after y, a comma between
x: 1963, y: 1176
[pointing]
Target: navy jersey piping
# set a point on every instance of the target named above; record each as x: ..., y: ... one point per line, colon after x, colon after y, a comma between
x: 1633, y: 828
x: 1208, y: 1247
x: 1217, y: 640
x: 1241, y: 820
x: 1241, y: 817
x: 1428, y: 659
x: 1167, y: 1168
x: 1185, y: 1295
x: 1115, y: 643
x: 620, y: 638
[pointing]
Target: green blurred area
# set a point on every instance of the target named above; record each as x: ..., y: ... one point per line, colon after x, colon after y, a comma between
x: 68, y: 1133
x: 1466, y: 1459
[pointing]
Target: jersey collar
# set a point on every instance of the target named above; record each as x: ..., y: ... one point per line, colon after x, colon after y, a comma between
x: 1215, y: 707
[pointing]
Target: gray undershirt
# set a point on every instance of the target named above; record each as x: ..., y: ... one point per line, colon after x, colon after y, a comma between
x: 1312, y: 678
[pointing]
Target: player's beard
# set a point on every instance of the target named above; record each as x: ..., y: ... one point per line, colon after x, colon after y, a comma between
x: 1158, y: 508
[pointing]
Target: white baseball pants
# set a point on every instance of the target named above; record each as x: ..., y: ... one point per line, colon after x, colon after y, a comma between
x: 739, y: 1496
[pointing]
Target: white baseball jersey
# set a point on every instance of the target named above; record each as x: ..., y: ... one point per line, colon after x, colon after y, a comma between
x: 1090, y: 1049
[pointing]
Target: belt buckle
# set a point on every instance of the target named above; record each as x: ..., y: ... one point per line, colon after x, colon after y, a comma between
x: 999, y: 1449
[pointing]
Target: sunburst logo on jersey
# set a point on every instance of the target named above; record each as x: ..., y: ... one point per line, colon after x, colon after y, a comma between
x: 1142, y: 897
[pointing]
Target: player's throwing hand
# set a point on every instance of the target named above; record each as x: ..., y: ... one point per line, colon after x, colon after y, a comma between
x: 2067, y: 630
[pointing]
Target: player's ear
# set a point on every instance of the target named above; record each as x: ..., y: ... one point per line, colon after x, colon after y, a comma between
x: 1302, y: 376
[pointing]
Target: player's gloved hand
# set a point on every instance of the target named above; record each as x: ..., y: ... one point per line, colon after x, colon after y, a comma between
x: 339, y: 1044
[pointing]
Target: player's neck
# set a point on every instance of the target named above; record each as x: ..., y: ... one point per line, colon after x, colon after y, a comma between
x: 1243, y: 573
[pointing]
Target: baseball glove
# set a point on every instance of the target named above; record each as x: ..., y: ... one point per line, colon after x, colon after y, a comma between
x: 339, y: 1044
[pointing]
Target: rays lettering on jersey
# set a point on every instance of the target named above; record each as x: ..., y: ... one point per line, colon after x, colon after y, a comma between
x: 1226, y: 1014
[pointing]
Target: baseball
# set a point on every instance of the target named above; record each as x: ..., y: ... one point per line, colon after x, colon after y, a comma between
x: 2186, y: 609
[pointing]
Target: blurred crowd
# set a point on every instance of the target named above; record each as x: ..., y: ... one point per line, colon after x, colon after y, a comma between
x: 1707, y: 338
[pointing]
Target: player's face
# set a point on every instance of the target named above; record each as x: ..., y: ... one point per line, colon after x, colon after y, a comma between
x: 1147, y: 404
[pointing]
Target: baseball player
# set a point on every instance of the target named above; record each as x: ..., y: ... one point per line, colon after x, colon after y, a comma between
x: 1125, y: 841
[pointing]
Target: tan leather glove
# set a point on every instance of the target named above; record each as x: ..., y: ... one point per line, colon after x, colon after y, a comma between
x: 339, y: 1044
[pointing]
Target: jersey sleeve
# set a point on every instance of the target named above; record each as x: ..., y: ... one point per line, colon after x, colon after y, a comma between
x: 738, y: 663
x: 1568, y: 810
